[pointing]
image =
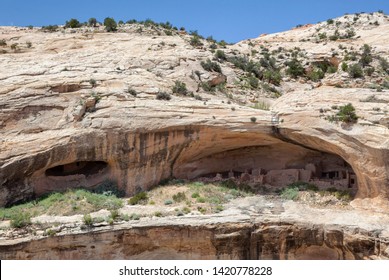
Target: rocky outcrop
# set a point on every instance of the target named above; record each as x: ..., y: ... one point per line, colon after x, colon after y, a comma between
x: 89, y: 98
x: 227, y: 241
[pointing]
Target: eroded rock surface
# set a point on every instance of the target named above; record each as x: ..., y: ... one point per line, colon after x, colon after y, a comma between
x: 66, y: 102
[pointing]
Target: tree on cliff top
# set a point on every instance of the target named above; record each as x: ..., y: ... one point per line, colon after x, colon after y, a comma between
x: 110, y: 24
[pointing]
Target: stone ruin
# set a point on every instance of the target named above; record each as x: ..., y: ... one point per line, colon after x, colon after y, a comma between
x: 324, y: 175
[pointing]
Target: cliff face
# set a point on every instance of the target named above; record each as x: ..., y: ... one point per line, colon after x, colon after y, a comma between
x: 228, y: 241
x: 80, y: 107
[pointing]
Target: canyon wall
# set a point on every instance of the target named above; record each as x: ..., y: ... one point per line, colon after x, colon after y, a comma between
x: 229, y: 241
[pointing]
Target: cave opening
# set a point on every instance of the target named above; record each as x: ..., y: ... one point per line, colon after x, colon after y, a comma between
x: 276, y: 166
x: 86, y: 168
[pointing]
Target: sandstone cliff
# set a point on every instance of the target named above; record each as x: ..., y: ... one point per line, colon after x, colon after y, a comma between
x: 67, y: 98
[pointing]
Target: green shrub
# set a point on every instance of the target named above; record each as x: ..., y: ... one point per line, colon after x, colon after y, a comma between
x: 219, y: 208
x: 295, y: 68
x: 290, y: 193
x: 110, y: 24
x: 195, y: 195
x: 209, y: 65
x: 163, y: 96
x: 141, y: 197
x: 347, y: 114
x: 330, y: 21
x: 253, y: 82
x: 50, y: 28
x: 316, y: 75
x: 92, y: 22
x: 157, y: 214
x: 369, y: 71
x: 195, y: 41
x: 366, y: 57
x: 180, y: 88
x: 344, y: 66
x: 14, y: 46
x: 219, y: 54
x: 332, y: 69
x: 3, y: 43
x: 179, y: 197
x: 87, y: 219
x: 253, y: 119
x: 92, y: 82
x: 200, y: 200
x: 134, y: 216
x: 108, y: 188
x: 322, y: 36
x: 384, y: 64
x: 272, y: 76
x: 20, y: 219
x: 207, y: 87
x: 262, y: 105
x: 355, y: 70
x: 72, y: 23
x: 168, y: 202
x: 303, y: 186
x: 114, y: 214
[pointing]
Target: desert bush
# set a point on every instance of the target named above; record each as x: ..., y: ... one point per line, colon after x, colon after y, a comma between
x: 139, y: 198
x: 92, y: 82
x: 253, y: 82
x: 87, y: 219
x: 110, y: 24
x: 195, y: 195
x: 272, y: 76
x: 20, y: 219
x: 384, y: 64
x: 134, y: 216
x: 163, y: 96
x: 50, y: 28
x: 180, y: 88
x: 14, y: 46
x: 303, y: 186
x: 253, y: 119
x: 322, y: 36
x: 108, y: 188
x: 262, y: 105
x: 3, y: 43
x: 114, y: 214
x: 221, y: 55
x: 316, y: 75
x: 344, y: 66
x: 366, y: 57
x: 290, y: 193
x: 92, y: 22
x: 158, y: 214
x: 195, y: 41
x: 347, y: 114
x: 72, y: 23
x: 209, y: 65
x: 369, y: 70
x: 355, y: 70
x: 295, y: 68
x: 168, y: 202
x: 179, y: 197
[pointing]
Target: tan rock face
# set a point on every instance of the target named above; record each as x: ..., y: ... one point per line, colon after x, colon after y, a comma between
x: 230, y: 241
x: 68, y: 118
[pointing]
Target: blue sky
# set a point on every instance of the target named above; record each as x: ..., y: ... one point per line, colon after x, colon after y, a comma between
x: 231, y: 20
